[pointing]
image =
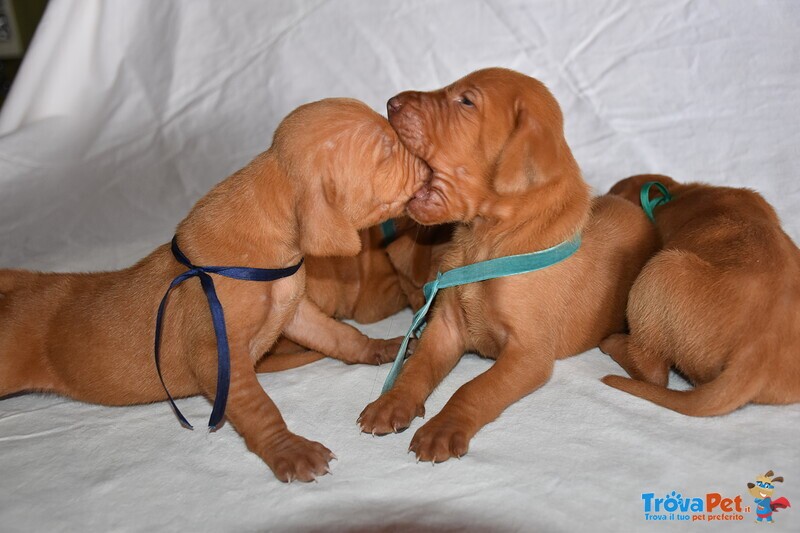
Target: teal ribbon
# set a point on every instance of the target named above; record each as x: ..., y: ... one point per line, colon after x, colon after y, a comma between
x: 649, y: 205
x: 494, y: 268
x: 389, y: 230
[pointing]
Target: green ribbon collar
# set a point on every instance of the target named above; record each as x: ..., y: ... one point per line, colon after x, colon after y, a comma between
x: 493, y: 268
x: 650, y: 204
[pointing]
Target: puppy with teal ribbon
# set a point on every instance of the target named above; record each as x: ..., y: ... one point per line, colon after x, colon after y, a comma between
x: 537, y: 270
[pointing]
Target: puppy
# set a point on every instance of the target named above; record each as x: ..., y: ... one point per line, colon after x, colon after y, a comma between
x: 504, y: 173
x: 416, y: 255
x: 364, y: 288
x: 334, y: 166
x: 720, y: 303
x: 385, y: 277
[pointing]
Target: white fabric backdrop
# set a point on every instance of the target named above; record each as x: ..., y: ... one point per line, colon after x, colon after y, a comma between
x: 125, y: 113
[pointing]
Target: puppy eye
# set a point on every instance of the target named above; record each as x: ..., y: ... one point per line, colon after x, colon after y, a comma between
x: 466, y: 101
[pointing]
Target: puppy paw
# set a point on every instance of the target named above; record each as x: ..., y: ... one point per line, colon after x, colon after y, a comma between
x: 391, y: 413
x: 440, y: 439
x: 618, y: 382
x: 385, y: 350
x: 616, y: 344
x: 378, y: 351
x: 294, y: 458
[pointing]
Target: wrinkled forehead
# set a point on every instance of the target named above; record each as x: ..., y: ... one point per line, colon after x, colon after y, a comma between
x: 332, y: 125
x: 499, y: 82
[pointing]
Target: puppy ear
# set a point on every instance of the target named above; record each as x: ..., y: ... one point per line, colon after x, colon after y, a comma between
x: 529, y: 151
x: 778, y: 479
x: 751, y: 485
x: 324, y: 229
x: 769, y: 474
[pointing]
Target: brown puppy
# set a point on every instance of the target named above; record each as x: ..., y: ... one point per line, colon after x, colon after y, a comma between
x: 503, y: 171
x: 384, y: 278
x: 416, y: 255
x: 334, y: 166
x: 720, y: 303
x: 364, y: 288
x: 380, y: 281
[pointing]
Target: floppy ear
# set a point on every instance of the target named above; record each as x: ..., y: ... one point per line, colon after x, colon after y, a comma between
x: 778, y: 479
x: 324, y: 229
x: 769, y: 474
x: 529, y: 151
x: 751, y: 485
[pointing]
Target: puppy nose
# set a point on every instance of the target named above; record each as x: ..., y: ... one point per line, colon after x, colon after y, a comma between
x: 394, y: 104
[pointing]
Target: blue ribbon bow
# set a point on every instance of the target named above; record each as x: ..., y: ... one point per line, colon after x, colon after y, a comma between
x: 482, y: 271
x: 217, y: 317
x: 649, y: 205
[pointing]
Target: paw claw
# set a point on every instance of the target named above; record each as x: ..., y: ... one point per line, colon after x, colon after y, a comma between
x: 294, y: 458
x: 440, y: 439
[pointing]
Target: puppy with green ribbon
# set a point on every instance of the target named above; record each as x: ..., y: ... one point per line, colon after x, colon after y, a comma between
x: 537, y: 270
x: 720, y: 303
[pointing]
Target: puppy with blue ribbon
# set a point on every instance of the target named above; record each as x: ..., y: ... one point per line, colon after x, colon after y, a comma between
x: 537, y: 270
x: 212, y: 302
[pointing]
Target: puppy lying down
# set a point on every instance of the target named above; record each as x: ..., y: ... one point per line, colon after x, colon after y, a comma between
x: 334, y: 167
x: 720, y: 303
x: 503, y: 172
x: 386, y: 276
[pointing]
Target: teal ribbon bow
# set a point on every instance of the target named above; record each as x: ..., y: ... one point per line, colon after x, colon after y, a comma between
x: 649, y: 205
x: 482, y: 271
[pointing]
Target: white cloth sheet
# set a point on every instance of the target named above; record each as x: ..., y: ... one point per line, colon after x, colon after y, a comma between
x: 125, y: 113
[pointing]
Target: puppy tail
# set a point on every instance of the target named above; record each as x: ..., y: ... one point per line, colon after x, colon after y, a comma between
x: 737, y: 385
x: 21, y: 368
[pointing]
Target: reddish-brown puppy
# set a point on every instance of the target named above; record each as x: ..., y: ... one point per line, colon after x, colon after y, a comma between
x: 720, y: 303
x: 334, y: 166
x: 504, y: 172
x: 416, y: 255
x: 364, y: 288
x: 380, y: 281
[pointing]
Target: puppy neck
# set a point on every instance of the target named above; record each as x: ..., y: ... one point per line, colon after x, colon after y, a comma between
x: 242, y: 220
x: 544, y: 216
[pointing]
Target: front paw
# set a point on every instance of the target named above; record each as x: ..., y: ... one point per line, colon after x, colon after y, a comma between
x: 440, y: 439
x: 379, y: 351
x: 391, y: 413
x: 292, y: 457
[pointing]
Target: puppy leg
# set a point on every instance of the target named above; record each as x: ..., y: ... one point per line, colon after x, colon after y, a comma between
x: 257, y: 419
x: 735, y: 386
x: 439, y: 349
x: 278, y: 362
x: 638, y: 363
x: 314, y: 329
x: 515, y: 374
x: 285, y: 355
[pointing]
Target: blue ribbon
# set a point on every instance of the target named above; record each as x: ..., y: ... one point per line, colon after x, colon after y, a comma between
x: 649, y: 205
x: 217, y: 317
x: 482, y: 271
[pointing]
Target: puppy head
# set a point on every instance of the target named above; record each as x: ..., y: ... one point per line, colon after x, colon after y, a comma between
x: 630, y: 188
x: 349, y: 171
x: 493, y: 139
